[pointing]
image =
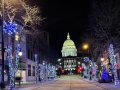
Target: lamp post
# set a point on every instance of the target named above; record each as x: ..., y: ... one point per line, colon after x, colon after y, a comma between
x: 59, y: 62
x: 102, y: 62
x: 36, y: 68
x: 2, y: 48
x: 86, y: 48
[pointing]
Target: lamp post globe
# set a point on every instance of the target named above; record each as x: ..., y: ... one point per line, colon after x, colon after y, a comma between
x: 85, y: 46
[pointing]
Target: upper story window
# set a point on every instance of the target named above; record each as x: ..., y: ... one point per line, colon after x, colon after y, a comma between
x: 29, y: 70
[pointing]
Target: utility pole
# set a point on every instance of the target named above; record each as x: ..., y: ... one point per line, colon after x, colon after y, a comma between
x: 2, y: 48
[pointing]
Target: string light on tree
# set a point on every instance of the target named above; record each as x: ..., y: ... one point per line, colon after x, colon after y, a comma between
x: 17, y: 57
x: 11, y: 69
x: 113, y: 63
x: 10, y: 28
x: 37, y: 68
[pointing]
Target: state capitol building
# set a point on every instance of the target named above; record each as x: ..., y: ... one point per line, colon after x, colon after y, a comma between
x: 69, y: 61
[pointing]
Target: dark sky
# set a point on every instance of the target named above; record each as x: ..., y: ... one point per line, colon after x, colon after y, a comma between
x: 63, y: 16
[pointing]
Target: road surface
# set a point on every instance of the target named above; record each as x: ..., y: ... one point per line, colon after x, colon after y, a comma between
x: 69, y: 83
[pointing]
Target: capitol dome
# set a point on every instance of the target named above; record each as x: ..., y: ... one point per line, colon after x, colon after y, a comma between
x: 68, y: 42
x: 69, y: 48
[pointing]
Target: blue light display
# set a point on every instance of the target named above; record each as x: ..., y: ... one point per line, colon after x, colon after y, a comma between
x: 105, y: 75
x: 86, y: 59
x: 9, y: 27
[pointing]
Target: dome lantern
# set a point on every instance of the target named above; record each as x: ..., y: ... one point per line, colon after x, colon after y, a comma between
x: 68, y: 36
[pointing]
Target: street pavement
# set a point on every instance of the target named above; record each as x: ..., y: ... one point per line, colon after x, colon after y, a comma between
x: 70, y: 82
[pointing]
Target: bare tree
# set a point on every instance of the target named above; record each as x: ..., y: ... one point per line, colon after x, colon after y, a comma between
x: 104, y: 24
x: 24, y: 15
x: 105, y: 18
x: 19, y: 10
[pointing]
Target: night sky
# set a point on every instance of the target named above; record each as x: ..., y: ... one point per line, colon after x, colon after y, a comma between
x: 63, y: 17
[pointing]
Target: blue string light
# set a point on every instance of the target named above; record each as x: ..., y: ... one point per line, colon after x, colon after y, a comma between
x: 17, y: 57
x: 86, y: 59
x: 11, y: 69
x: 10, y: 27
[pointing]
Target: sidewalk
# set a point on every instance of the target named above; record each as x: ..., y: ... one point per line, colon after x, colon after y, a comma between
x: 106, y: 86
x: 25, y: 85
x: 33, y: 84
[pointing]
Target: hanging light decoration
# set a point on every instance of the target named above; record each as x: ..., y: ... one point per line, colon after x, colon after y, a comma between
x: 10, y: 27
x: 86, y: 59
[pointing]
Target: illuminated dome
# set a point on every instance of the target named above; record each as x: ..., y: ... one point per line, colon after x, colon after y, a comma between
x: 69, y: 48
x: 68, y: 42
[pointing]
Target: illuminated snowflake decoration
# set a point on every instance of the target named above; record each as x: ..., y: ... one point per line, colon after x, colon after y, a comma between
x: 10, y: 27
x: 86, y: 59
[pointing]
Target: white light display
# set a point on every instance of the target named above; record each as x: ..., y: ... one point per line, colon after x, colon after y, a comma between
x: 37, y: 68
x: 17, y: 57
x: 113, y: 63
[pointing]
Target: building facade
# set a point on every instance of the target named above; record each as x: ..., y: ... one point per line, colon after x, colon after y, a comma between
x: 29, y: 46
x: 69, y: 61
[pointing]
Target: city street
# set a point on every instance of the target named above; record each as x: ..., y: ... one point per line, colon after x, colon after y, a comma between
x: 71, y: 83
x: 42, y: 39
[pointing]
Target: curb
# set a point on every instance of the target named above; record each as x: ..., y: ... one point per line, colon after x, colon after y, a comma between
x: 102, y: 85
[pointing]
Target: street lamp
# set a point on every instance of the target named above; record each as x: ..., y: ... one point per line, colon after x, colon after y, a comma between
x: 102, y: 62
x: 17, y: 37
x: 85, y: 46
x: 59, y: 60
x: 102, y: 59
x: 20, y: 53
